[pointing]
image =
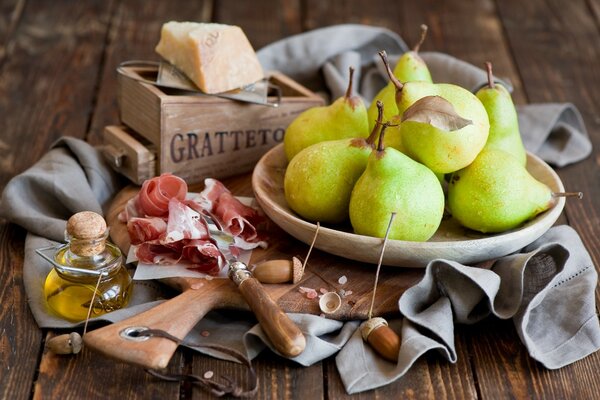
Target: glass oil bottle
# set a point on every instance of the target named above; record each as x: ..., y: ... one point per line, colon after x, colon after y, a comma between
x: 86, y: 261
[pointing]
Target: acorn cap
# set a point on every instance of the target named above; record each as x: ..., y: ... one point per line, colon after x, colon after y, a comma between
x: 88, y: 229
x: 330, y: 302
x: 297, y: 270
x: 370, y: 325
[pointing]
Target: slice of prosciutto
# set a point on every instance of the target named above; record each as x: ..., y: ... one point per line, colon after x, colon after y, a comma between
x: 154, y: 196
x: 233, y: 216
x: 199, y: 255
x: 184, y: 223
x: 204, y: 255
x: 145, y: 229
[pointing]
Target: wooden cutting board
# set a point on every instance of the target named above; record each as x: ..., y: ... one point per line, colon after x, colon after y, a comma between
x: 180, y: 314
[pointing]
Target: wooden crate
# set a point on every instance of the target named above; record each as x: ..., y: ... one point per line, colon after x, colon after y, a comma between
x: 196, y: 137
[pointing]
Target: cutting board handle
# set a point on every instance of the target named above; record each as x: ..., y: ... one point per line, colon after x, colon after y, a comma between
x: 176, y: 316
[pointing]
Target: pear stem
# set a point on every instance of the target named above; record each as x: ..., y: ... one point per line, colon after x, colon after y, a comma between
x: 378, y: 122
x: 579, y: 195
x: 399, y: 85
x: 490, y: 75
x: 380, y: 145
x: 422, y: 39
x: 385, y: 240
x: 350, y: 79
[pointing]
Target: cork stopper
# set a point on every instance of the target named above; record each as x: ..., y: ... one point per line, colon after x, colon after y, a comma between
x: 87, y: 231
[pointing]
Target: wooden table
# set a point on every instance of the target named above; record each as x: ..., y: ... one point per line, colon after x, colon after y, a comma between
x: 57, y: 77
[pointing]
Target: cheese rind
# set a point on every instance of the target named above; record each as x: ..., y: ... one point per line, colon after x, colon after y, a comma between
x: 216, y: 57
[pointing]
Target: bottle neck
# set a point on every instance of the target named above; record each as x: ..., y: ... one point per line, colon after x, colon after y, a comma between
x: 106, y: 262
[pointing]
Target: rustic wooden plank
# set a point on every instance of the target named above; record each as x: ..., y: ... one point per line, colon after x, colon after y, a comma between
x: 542, y: 35
x: 48, y: 81
x: 134, y: 33
x: 10, y: 14
x: 262, y: 21
x: 20, y: 338
x: 91, y: 376
x: 467, y: 30
x: 41, y: 101
x: 555, y: 50
x: 595, y: 8
x: 278, y: 378
x: 507, y: 361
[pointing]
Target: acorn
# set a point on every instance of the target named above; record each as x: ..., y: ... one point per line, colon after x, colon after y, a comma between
x: 381, y: 337
x: 69, y: 343
x: 279, y: 271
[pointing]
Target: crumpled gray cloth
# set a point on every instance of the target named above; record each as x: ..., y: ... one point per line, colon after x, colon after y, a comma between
x: 320, y: 60
x: 523, y: 287
x: 547, y: 290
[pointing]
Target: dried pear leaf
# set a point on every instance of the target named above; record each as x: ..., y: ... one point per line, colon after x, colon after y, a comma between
x: 435, y: 111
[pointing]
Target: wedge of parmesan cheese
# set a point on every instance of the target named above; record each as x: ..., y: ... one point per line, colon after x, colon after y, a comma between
x: 216, y: 57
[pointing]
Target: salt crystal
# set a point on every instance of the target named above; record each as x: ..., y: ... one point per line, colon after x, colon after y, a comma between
x: 205, y: 333
x: 208, y: 374
x: 342, y: 292
x: 342, y: 280
x: 312, y: 295
x: 323, y: 290
x: 322, y: 315
x: 348, y: 293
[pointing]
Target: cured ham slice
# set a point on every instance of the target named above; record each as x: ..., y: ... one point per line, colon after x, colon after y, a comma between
x: 200, y: 255
x: 154, y: 252
x: 234, y: 217
x: 154, y: 196
x: 184, y: 223
x: 145, y: 229
x: 204, y: 255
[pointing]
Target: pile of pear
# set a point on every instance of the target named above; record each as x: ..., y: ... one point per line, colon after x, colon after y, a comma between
x: 347, y: 162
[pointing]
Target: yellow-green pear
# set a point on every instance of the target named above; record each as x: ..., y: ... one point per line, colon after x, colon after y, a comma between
x: 393, y: 182
x: 410, y: 67
x: 446, y: 139
x: 319, y: 179
x: 496, y: 193
x: 504, y: 123
x: 344, y: 118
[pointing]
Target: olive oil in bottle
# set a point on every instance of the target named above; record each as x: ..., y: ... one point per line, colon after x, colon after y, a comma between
x: 87, y: 260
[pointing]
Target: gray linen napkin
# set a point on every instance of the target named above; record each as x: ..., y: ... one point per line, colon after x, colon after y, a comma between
x: 73, y: 164
x: 548, y: 291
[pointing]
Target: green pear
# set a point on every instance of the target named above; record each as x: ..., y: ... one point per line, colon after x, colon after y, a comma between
x: 504, y: 124
x: 319, y: 179
x: 344, y: 118
x: 410, y: 67
x: 496, y: 193
x: 393, y: 182
x: 460, y: 134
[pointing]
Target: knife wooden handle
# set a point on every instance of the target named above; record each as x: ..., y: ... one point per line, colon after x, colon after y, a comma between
x: 285, y: 336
